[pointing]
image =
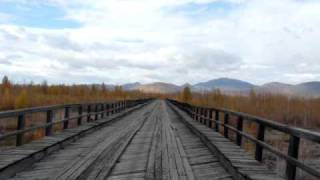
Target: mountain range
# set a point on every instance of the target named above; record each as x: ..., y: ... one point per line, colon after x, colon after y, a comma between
x: 227, y: 85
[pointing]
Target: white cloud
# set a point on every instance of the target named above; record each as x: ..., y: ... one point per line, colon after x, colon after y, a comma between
x: 140, y: 40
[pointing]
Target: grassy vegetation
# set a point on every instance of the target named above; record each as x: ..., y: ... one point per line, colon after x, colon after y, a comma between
x: 14, y: 96
x: 295, y: 111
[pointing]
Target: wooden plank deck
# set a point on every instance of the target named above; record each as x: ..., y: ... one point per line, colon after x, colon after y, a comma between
x: 240, y: 164
x: 157, y: 141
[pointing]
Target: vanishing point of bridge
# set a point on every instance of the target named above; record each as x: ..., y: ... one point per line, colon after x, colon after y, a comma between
x: 143, y: 139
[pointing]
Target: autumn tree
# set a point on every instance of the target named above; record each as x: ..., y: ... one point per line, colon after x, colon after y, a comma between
x: 44, y: 87
x: 186, y: 94
x: 118, y: 91
x: 103, y: 88
x: 93, y: 90
x: 7, y: 100
x: 22, y: 100
x: 6, y: 84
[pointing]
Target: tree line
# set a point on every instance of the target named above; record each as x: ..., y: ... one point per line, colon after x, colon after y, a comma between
x: 15, y: 96
x: 292, y: 110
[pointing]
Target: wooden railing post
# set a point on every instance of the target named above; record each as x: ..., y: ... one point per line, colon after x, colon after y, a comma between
x: 96, y: 112
x: 201, y: 115
x: 260, y: 137
x: 226, y: 123
x: 206, y: 121
x: 198, y: 113
x: 193, y: 112
x: 122, y: 106
x: 239, y: 128
x: 204, y: 115
x: 89, y: 113
x: 102, y: 109
x: 80, y: 110
x: 117, y: 107
x: 107, y: 109
x: 49, y: 120
x: 80, y: 114
x: 217, y: 120
x: 66, y: 117
x: 293, y: 151
x: 112, y: 108
x: 210, y: 118
x: 20, y: 126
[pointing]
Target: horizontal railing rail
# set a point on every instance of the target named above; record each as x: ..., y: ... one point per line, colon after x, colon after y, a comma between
x: 205, y: 115
x: 95, y: 111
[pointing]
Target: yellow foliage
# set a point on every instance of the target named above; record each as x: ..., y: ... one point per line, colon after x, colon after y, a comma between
x: 8, y: 100
x: 6, y: 84
x: 22, y: 100
x: 186, y: 94
x: 19, y: 96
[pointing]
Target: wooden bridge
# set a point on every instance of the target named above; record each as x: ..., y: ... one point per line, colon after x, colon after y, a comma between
x: 145, y: 139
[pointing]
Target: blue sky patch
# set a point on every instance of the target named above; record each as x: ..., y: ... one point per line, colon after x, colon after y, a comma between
x: 40, y: 15
x: 202, y: 11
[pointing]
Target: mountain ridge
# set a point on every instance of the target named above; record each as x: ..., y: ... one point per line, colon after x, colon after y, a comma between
x: 230, y: 85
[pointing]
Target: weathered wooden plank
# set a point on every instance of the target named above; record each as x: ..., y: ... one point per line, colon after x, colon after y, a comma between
x: 235, y: 161
x: 198, y: 156
x: 153, y: 161
x: 41, y: 148
x: 140, y: 145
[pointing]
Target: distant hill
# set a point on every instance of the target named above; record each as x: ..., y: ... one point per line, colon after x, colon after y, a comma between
x: 159, y: 87
x: 230, y: 86
x: 276, y: 88
x: 308, y: 89
x: 224, y: 84
x: 131, y: 86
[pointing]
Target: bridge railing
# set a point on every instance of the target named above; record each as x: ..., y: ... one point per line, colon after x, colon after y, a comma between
x: 205, y: 116
x: 94, y: 112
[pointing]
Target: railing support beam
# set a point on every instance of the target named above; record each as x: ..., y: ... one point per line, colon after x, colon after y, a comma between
x: 239, y: 128
x: 293, y: 151
x: 79, y: 122
x: 226, y: 122
x: 102, y: 109
x: 66, y: 116
x: 49, y: 120
x: 210, y: 118
x: 217, y: 120
x: 260, y: 137
x: 89, y: 113
x: 20, y: 126
x: 96, y: 112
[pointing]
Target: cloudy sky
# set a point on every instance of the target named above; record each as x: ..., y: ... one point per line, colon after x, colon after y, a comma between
x: 177, y: 41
